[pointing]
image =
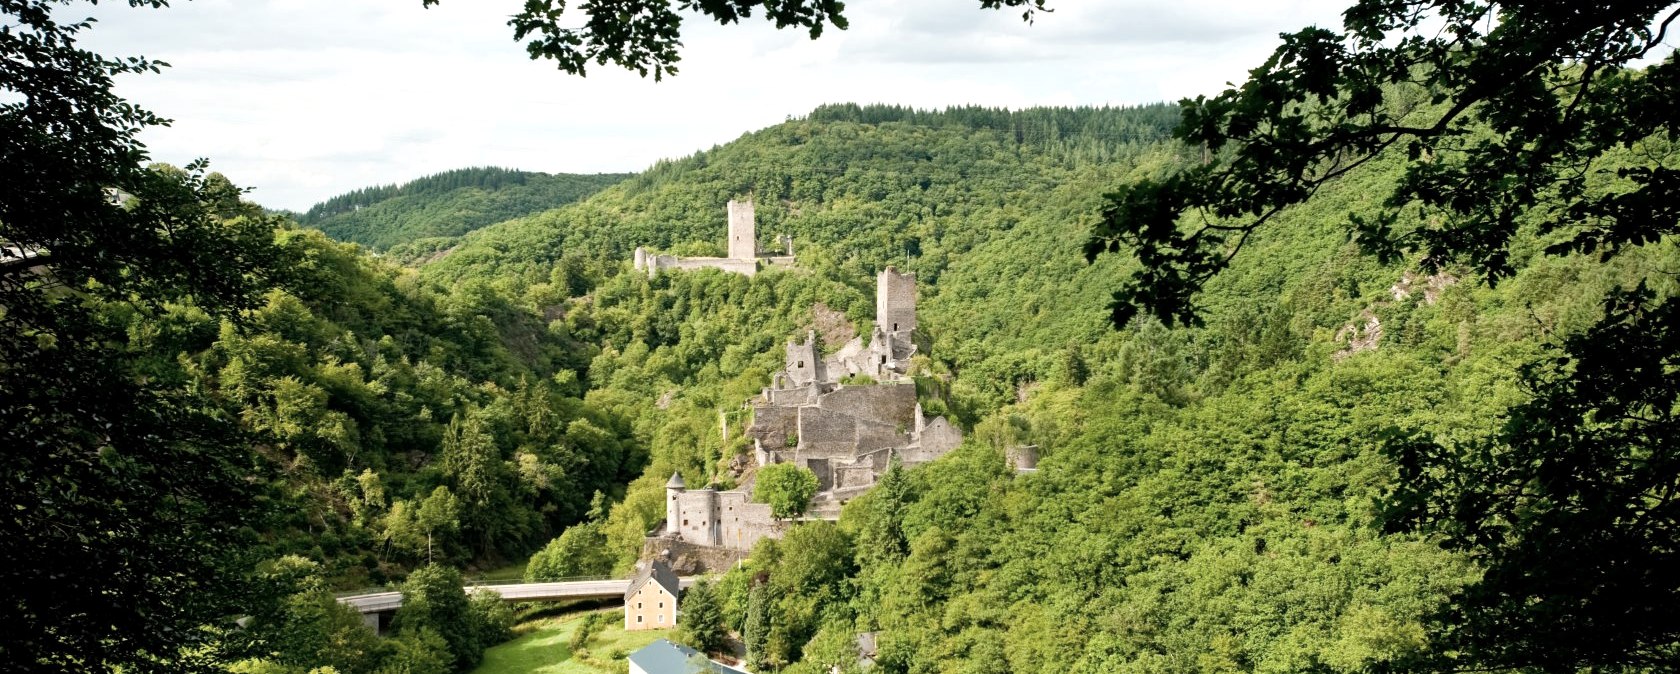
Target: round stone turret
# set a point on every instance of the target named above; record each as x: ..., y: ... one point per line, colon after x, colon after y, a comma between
x: 672, y: 489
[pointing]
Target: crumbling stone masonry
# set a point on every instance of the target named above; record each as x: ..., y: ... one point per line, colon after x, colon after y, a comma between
x: 846, y: 434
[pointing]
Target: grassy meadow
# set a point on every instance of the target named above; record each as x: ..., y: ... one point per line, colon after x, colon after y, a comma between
x: 542, y: 647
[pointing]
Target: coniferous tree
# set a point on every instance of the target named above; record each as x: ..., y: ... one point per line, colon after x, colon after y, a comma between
x: 702, y: 618
x: 756, y: 630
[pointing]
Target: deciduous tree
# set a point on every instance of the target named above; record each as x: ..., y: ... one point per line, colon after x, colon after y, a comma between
x: 1512, y: 117
x: 644, y: 35
x: 786, y: 487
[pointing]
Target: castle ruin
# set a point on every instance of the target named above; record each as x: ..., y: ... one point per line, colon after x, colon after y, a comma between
x: 742, y: 243
x: 845, y: 433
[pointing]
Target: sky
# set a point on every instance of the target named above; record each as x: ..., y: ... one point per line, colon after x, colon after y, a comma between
x: 306, y: 99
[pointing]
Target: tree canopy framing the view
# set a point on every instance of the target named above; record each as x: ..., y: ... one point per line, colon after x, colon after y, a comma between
x: 1513, y: 119
x: 1503, y: 110
x: 645, y: 35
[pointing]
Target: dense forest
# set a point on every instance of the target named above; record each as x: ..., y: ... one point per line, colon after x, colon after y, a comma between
x: 1193, y: 480
x: 1348, y: 456
x: 447, y: 204
x: 526, y: 384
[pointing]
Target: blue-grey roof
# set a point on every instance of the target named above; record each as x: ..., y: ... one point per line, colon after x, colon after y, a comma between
x: 664, y: 657
x: 659, y: 572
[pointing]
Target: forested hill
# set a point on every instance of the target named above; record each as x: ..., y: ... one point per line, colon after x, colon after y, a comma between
x: 447, y: 204
x: 1209, y: 498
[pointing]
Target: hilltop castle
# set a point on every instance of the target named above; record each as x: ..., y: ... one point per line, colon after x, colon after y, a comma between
x: 847, y: 434
x: 744, y: 256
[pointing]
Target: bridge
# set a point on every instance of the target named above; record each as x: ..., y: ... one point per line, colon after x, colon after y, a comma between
x: 371, y: 604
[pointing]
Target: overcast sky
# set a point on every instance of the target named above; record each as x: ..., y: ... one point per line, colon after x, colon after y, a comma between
x: 305, y: 99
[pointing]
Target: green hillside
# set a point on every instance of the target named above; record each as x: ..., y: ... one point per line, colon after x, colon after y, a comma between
x: 1210, y: 498
x: 447, y: 204
x: 1367, y: 364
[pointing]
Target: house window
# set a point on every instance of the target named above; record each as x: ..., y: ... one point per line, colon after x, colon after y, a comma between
x: 802, y: 363
x: 685, y: 523
x: 638, y: 604
x: 883, y: 360
x: 661, y: 604
x: 638, y: 618
x: 895, y: 327
x: 661, y: 618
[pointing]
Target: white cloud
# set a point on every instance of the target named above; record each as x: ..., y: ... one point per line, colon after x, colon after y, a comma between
x: 304, y: 99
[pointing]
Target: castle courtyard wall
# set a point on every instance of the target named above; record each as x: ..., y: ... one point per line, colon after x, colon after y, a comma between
x: 888, y: 403
x: 773, y: 425
x: 826, y: 433
x: 688, y: 559
x: 743, y: 522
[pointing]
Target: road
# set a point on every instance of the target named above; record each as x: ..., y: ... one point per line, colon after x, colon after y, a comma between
x: 381, y: 602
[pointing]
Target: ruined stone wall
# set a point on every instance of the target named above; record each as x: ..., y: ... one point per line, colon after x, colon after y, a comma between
x: 772, y: 425
x: 873, y: 435
x: 846, y: 360
x: 791, y: 397
x: 877, y: 460
x: 940, y: 436
x: 689, y: 559
x: 745, y: 267
x: 895, y: 301
x: 857, y: 475
x: 743, y: 237
x: 824, y: 433
x: 1022, y: 457
x: 885, y: 403
x: 744, y: 522
x: 823, y: 469
x: 804, y: 364
x: 937, y: 439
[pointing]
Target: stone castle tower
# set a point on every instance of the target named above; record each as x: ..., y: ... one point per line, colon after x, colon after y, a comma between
x: 895, y: 302
x: 743, y: 239
x: 805, y: 362
x: 742, y: 242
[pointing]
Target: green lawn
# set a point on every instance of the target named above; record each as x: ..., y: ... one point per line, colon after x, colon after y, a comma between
x: 615, y: 637
x: 540, y: 647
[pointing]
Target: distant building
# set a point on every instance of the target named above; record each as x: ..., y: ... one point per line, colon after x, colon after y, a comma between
x: 846, y: 434
x: 664, y: 657
x: 742, y: 239
x: 651, y: 601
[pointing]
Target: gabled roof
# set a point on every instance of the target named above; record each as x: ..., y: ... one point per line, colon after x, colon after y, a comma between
x: 664, y: 657
x: 657, y: 571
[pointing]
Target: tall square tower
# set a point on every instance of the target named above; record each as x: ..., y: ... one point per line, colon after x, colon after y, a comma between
x: 895, y: 301
x: 743, y: 241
